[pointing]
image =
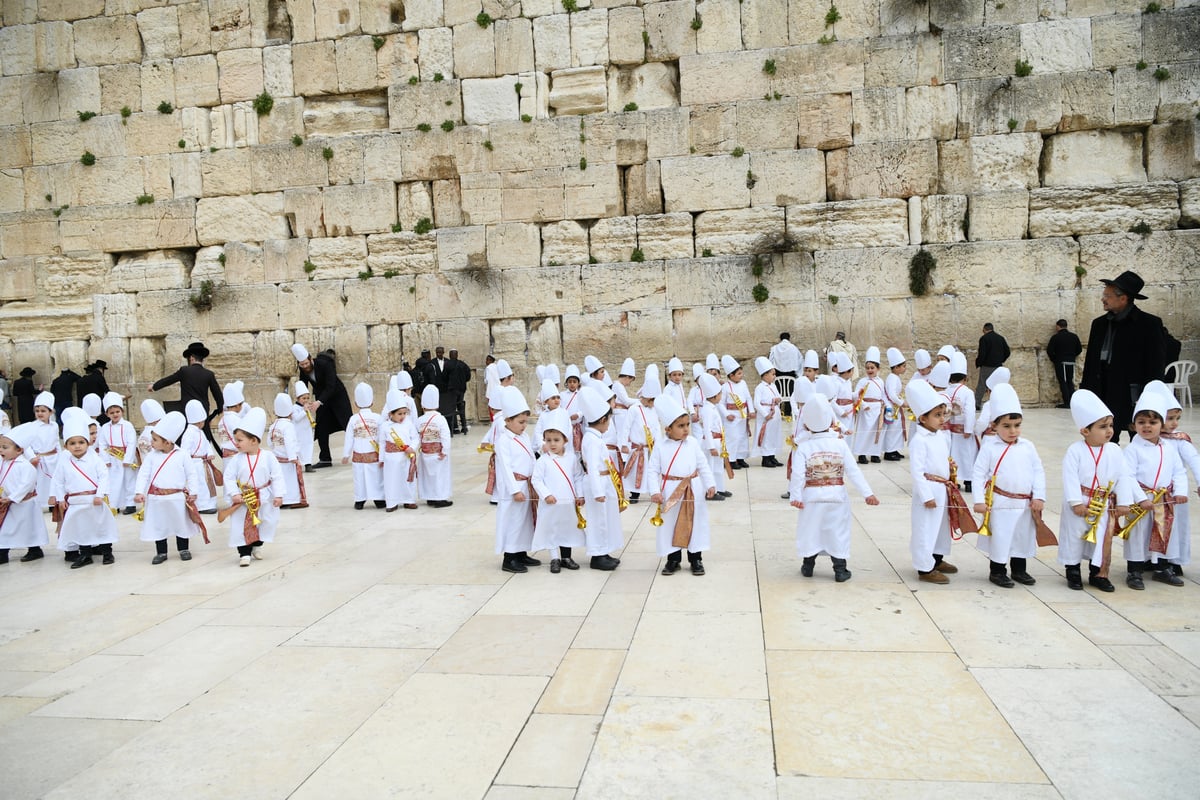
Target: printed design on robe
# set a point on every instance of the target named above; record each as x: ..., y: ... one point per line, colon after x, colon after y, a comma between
x: 366, y: 429
x: 824, y: 468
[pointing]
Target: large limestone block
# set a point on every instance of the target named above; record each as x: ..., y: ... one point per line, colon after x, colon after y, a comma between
x: 541, y: 291
x: 667, y: 132
x: 533, y: 196
x: 68, y: 9
x: 12, y: 191
x: 589, y: 38
x: 196, y: 81
x: 285, y: 166
x: 458, y: 12
x: 740, y: 231
x: 859, y: 19
x: 304, y: 210
x: 1173, y: 151
x: 164, y: 224
x: 931, y: 112
x: 54, y: 46
x: 825, y: 121
x: 767, y: 124
x: 953, y: 15
x: 653, y: 85
x: 419, y: 14
x: 988, y: 268
x: 1110, y: 209
x: 1116, y: 40
x: 250, y: 218
x: 468, y: 293
x: 625, y: 45
x: 513, y: 244
x: 591, y: 193
x: 157, y: 269
x: 435, y: 53
x: 849, y: 223
x: 447, y: 204
x: 487, y: 100
x: 344, y: 114
x: 811, y: 68
x: 1180, y: 95
x: 625, y: 286
x: 998, y: 215
x: 109, y: 180
x: 727, y: 282
x: 981, y: 52
x: 17, y: 281
x: 336, y: 18
x: 314, y: 68
x: 114, y: 315
x: 704, y: 183
x: 643, y: 189
x: 195, y: 29
x: 278, y: 79
x: 613, y: 239
x: 380, y: 300
x: 481, y: 197
x: 153, y: 133
x: 669, y: 27
x: 244, y: 264
x: 70, y: 277
x: 714, y: 129
x: 31, y: 233
x: 17, y: 42
x: 911, y: 60
x: 786, y: 177
x: 1171, y: 36
x: 1137, y: 94
x: 54, y: 142
x: 1189, y: 203
x: 1087, y: 101
x: 285, y: 121
x: 283, y: 260
x: 1057, y: 45
x: 120, y: 86
x: 882, y: 169
x: 474, y: 51
x: 580, y: 90
x: 721, y: 78
x: 462, y: 248
x: 29, y: 322
x: 10, y: 101
x: 159, y: 29
x: 985, y: 163
x: 39, y: 97
x: 406, y: 253
x: 425, y: 102
x: 226, y: 172
x: 944, y: 218
x: 1093, y: 158
x: 664, y: 236
x: 338, y: 256
x: 107, y: 40
x: 552, y: 42
x: 241, y: 74
x: 158, y: 84
x: 806, y: 21
x: 764, y: 24
x: 185, y: 175
x: 364, y: 208
x: 78, y: 90
x: 1170, y: 256
x: 869, y: 272
x: 357, y: 66
x: 514, y: 46
x: 564, y: 242
x: 878, y: 114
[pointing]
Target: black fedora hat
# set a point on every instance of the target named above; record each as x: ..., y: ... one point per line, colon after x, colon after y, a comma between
x: 1128, y: 282
x: 28, y: 372
x: 100, y: 363
x: 196, y: 349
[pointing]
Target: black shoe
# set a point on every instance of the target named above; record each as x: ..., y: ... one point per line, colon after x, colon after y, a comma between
x: 209, y: 511
x: 4, y: 558
x: 381, y: 504
x: 735, y: 465
x: 528, y: 560
x: 697, y: 567
x: 742, y: 463
x: 33, y: 555
x: 967, y: 486
x: 513, y: 565
x: 1024, y: 578
x: 718, y: 498
x: 874, y: 459
x: 185, y: 555
x: 1177, y: 569
x: 840, y: 573
x: 569, y: 563
x: 892, y: 456
x: 806, y: 567
x: 129, y: 510
x: 555, y: 566
x: 671, y: 567
x: 726, y: 494
x: 82, y: 561
x: 606, y: 563
x: 71, y: 555
x: 159, y: 558
x: 1103, y: 584
x: 358, y: 504
x: 108, y: 559
x: 633, y: 497
x: 1134, y: 581
x: 309, y: 468
x: 322, y: 464
x: 1167, y: 576
x: 862, y: 459
x: 767, y: 461
x: 1001, y: 579
x: 1074, y: 578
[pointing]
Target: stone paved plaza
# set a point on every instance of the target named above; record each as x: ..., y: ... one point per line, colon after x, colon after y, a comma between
x: 386, y: 655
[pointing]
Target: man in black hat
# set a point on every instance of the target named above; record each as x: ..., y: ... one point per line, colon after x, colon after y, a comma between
x: 331, y: 402
x: 63, y: 389
x: 1062, y: 350
x: 1125, y: 349
x: 196, y: 382
x: 24, y: 390
x: 93, y: 381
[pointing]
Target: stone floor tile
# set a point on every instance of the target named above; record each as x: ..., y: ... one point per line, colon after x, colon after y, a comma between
x: 568, y: 594
x: 76, y: 676
x: 11, y: 682
x: 628, y: 580
x: 611, y: 624
x: 1186, y: 643
x: 1160, y: 668
x: 1159, y: 607
x: 792, y: 787
x: 498, y: 792
x: 583, y: 682
x: 668, y: 748
x: 165, y: 632
x: 33, y: 751
x: 468, y: 561
x: 506, y: 645
x: 1100, y: 624
x: 725, y: 586
x: 551, y: 751
x: 14, y: 708
x: 889, y: 716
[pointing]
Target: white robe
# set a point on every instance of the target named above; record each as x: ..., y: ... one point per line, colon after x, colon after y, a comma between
x: 843, y: 406
x: 166, y: 515
x: 1153, y: 465
x: 737, y: 420
x: 673, y: 460
x: 1091, y: 467
x: 397, y: 488
x: 868, y: 422
x: 24, y: 524
x: 894, y: 421
x: 964, y: 447
x: 1017, y: 469
x: 118, y: 448
x: 1179, y: 549
x: 604, y: 534
x: 362, y: 435
x: 262, y: 472
x: 514, y: 518
x: 86, y: 523
x: 197, y: 446
x: 823, y: 525
x: 770, y: 427
x: 641, y: 435
x: 44, y: 446
x: 928, y: 453
x: 712, y: 438
x: 223, y: 433
x: 434, y: 479
x: 304, y: 425
x: 560, y: 477
x: 283, y: 443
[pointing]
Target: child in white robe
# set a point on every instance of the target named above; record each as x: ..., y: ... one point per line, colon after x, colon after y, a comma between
x: 551, y: 400
x: 1160, y: 473
x: 938, y: 509
x: 869, y: 397
x: 963, y: 444
x: 79, y: 487
x: 362, y: 448
x: 603, y: 487
x: 118, y: 446
x: 514, y: 468
x: 304, y: 424
x: 570, y: 398
x: 817, y: 488
x: 44, y: 453
x: 1179, y: 548
x: 768, y: 411
x: 286, y: 447
x: 21, y: 522
x: 843, y: 403
x: 558, y: 480
x: 673, y: 388
x: 208, y: 475
x: 739, y: 411
x: 624, y: 403
x: 895, y: 425
x: 680, y: 479
x: 235, y: 406
x: 695, y: 401
x: 434, y: 478
x: 399, y: 442
x: 167, y: 485
x: 641, y: 433
x: 252, y: 476
x: 712, y: 436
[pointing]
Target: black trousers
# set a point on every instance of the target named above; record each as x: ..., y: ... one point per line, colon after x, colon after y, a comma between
x: 786, y: 406
x: 160, y: 546
x: 244, y: 549
x: 455, y: 410
x: 1065, y: 373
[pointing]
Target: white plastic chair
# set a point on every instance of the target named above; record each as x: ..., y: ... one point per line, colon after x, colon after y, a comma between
x: 1181, y: 385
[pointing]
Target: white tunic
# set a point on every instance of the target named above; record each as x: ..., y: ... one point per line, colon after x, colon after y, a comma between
x: 694, y: 406
x: 1153, y: 465
x: 770, y: 427
x: 1017, y: 469
x: 397, y: 488
x: 737, y: 419
x: 304, y: 425
x: 166, y: 515
x: 201, y: 454
x: 670, y: 462
x: 262, y: 472
x: 44, y: 447
x: 893, y: 414
x: 1179, y: 549
x: 823, y: 525
x: 928, y: 453
x: 868, y: 422
x: 514, y: 467
x: 118, y: 448
x: 24, y: 524
x: 604, y: 534
x: 434, y: 479
x: 641, y: 435
x: 1095, y: 468
x: 86, y: 523
x: 712, y: 438
x: 362, y: 441
x: 843, y: 406
x: 963, y: 444
x: 285, y: 446
x: 560, y: 477
x: 223, y: 433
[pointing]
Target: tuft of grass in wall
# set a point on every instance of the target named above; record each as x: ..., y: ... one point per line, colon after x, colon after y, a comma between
x: 760, y: 293
x: 1152, y: 8
x: 697, y: 22
x: 126, y: 111
x: 526, y: 118
x: 637, y: 256
x: 630, y: 107
x: 582, y: 163
x: 1140, y: 65
x: 412, y: 80
x: 518, y: 86
x: 1012, y: 124
x: 833, y: 299
x: 832, y: 16
x: 438, y: 77
x: 487, y: 145
x: 390, y: 273
x: 327, y: 153
x: 165, y: 108
x: 424, y: 127
x: 483, y: 19
x: 366, y: 273
x: 88, y: 158
x: 825, y: 39
x: 202, y: 300
x: 377, y: 42
x: 448, y: 125
x: 221, y: 259
x: 84, y: 116
x: 297, y: 140
x: 424, y: 225
x: 571, y: 6
x: 751, y: 179
x: 145, y: 199
x: 1161, y: 74
x: 769, y: 66
x: 263, y: 104
x: 707, y: 253
x: 396, y: 227
x: 738, y: 152
x: 1023, y: 69
x: 1141, y: 228
x: 181, y: 144
x: 920, y: 272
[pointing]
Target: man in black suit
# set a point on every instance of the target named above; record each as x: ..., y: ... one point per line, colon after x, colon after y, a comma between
x: 1126, y: 350
x: 63, y: 389
x: 196, y: 382
x: 458, y: 375
x: 440, y: 371
x: 93, y: 381
x: 993, y: 352
x: 1062, y: 350
x: 330, y: 404
x: 421, y: 372
x: 24, y: 391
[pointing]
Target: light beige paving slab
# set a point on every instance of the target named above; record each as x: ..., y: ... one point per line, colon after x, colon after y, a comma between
x: 695, y: 654
x: 506, y: 645
x: 583, y: 682
x: 1009, y: 628
x: 78, y: 675
x: 165, y: 632
x: 33, y: 751
x: 1158, y: 608
x: 568, y: 594
x: 778, y: 561
x: 470, y: 562
x: 611, y: 624
x: 172, y: 676
x: 1160, y: 668
x: 12, y: 634
x: 14, y: 708
x: 806, y: 615
x: 889, y: 716
x: 1186, y: 643
x: 528, y: 793
x: 792, y: 787
x: 1189, y: 707
x: 666, y: 748
x: 414, y: 745
x: 407, y: 616
x: 628, y: 580
x: 305, y: 702
x: 725, y: 586
x: 1051, y: 712
x: 551, y: 751
x: 1100, y: 624
x: 11, y: 682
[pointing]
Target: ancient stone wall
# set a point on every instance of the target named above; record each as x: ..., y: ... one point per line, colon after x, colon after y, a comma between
x: 547, y: 178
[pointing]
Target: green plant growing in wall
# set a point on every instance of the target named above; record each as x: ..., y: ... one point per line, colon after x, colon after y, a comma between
x: 88, y: 158
x: 448, y: 125
x: 1012, y: 124
x: 706, y: 253
x: 165, y: 108
x: 518, y: 86
x: 84, y: 116
x: 412, y: 80
x: 327, y: 153
x: 571, y: 6
x: 697, y: 23
x: 1141, y: 228
x: 1080, y: 274
x: 483, y: 19
x: 1161, y: 74
x: 438, y: 77
x: 309, y: 269
x: 738, y: 152
x: 760, y: 293
x: 1023, y: 69
x: 833, y: 299
x: 390, y: 273
x: 126, y: 111
x: 263, y: 104
x: 1152, y: 8
x: 526, y: 118
x: 920, y: 272
x: 630, y: 107
x: 832, y: 16
x: 424, y: 127
x: 202, y: 300
x: 366, y: 273
x: 769, y: 66
x: 582, y: 163
x: 221, y: 259
x: 377, y: 42
x: 637, y: 256
x: 145, y: 199
x: 424, y: 225
x: 1140, y: 65
x: 396, y: 227
x: 487, y: 145
x: 297, y: 140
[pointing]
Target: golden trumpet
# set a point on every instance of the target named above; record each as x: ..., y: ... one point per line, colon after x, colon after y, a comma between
x: 250, y: 500
x: 107, y: 502
x: 580, y: 523
x: 140, y: 515
x: 657, y: 519
x: 1137, y: 512
x: 649, y: 440
x: 396, y: 440
x: 618, y: 484
x: 485, y: 448
x: 1095, y: 510
x: 988, y: 495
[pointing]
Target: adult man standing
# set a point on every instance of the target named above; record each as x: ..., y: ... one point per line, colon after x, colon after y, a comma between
x: 330, y: 404
x: 421, y: 372
x: 63, y: 389
x: 786, y: 358
x: 458, y: 375
x: 1062, y: 350
x: 993, y: 352
x: 840, y: 345
x: 196, y: 382
x: 1126, y: 349
x: 24, y: 391
x: 439, y: 369
x: 93, y: 381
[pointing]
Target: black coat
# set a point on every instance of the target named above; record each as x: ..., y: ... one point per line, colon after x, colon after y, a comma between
x: 993, y: 350
x: 458, y: 375
x: 24, y: 390
x: 1063, y: 347
x: 63, y: 389
x: 196, y: 382
x: 1138, y: 357
x: 92, y: 383
x: 334, y: 413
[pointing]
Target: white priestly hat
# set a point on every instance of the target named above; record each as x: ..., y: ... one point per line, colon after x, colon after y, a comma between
x: 283, y: 405
x: 946, y: 351
x: 1086, y: 408
x: 802, y: 390
x: 872, y: 354
x: 503, y: 370
x: 921, y: 397
x: 90, y: 402
x: 1003, y: 401
x: 171, y: 426
x: 44, y: 399
x: 552, y: 373
x: 817, y: 414
x: 763, y: 365
x: 1167, y: 393
x: 194, y: 412
x: 651, y: 387
x: 709, y: 386
x: 299, y: 352
x: 697, y: 369
x: 921, y: 359
x: 958, y: 363
x: 76, y: 427
x: 826, y: 386
x: 940, y: 376
x: 431, y: 397
x: 512, y: 402
x: 364, y: 395
x: 557, y: 420
x: 23, y: 435
x: 591, y: 364
x: 549, y: 389
x: 394, y: 400
x: 711, y: 361
x: 152, y: 411
x: 894, y: 357
x: 1150, y: 400
x: 811, y: 360
x: 572, y: 372
x: 232, y: 394
x: 1001, y: 375
x: 253, y: 422
x: 668, y: 410
x: 592, y: 405
x: 113, y: 399
x: 628, y: 368
x: 729, y: 364
x: 674, y: 365
x: 403, y: 380
x: 300, y: 388
x: 540, y: 372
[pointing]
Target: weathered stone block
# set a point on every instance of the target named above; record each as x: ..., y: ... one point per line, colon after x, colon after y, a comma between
x: 1171, y: 36
x: 464, y: 293
x: 1189, y: 203
x: 120, y: 86
x: 653, y: 85
x: 459, y: 12
x: 552, y: 42
x: 447, y: 204
x: 765, y: 24
x: 1137, y: 95
x: 878, y: 114
x: 721, y: 77
x: 1057, y: 45
x: 365, y: 208
x: 195, y: 28
x: 580, y: 90
x: 643, y: 189
x: 541, y: 291
x: 987, y: 268
x: 29, y: 322
x: 1167, y: 255
x: 481, y: 197
x: 54, y: 46
x: 406, y: 253
x: 998, y: 215
x: 159, y: 29
x: 811, y: 68
x: 664, y: 236
x: 114, y: 316
x: 30, y: 233
x: 944, y: 218
x: 240, y: 74
x: 1173, y: 151
x: 78, y: 90
x: 244, y: 264
x: 314, y: 68
x: 278, y: 79
x: 714, y: 129
x: 806, y: 21
x: 1087, y: 101
x: 625, y: 287
x: 336, y: 18
x: 931, y: 112
x: 705, y: 183
x: 474, y: 51
x: 462, y: 248
x: 10, y: 101
x: 1078, y: 211
x: 1116, y: 40
x: 592, y: 193
x: 738, y: 232
x: 421, y: 14
x: 514, y: 244
x: 304, y: 211
x: 196, y: 81
x: 12, y: 191
x: 338, y: 256
x: 487, y: 100
x: 285, y: 166
x: 882, y: 169
x: 786, y: 177
x: 1093, y: 158
x: 425, y: 102
x: 19, y: 48
x: 564, y: 242
x: 666, y: 132
x: 158, y: 84
x: 380, y: 300
x: 165, y: 224
x: 981, y: 52
x: 825, y: 121
x: 533, y: 196
x: 250, y: 218
x: 985, y: 163
x: 851, y: 223
x: 767, y: 125
x: 669, y: 26
x: 625, y: 45
x: 357, y: 66
x: 153, y: 133
x: 589, y: 38
x: 514, y: 46
x: 70, y: 277
x: 110, y: 180
x: 613, y: 239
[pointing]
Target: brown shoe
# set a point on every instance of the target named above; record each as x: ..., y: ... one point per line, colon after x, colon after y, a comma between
x: 933, y: 577
x: 945, y: 567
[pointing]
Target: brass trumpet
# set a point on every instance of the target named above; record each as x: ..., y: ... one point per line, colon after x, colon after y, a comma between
x: 107, y: 502
x: 1095, y: 510
x: 139, y: 515
x: 580, y: 522
x: 250, y: 500
x: 657, y: 519
x: 988, y: 495
x: 1137, y: 512
x: 618, y: 484
x: 396, y: 440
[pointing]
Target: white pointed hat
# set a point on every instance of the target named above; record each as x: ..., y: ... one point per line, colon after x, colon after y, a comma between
x: 232, y: 394
x: 817, y: 414
x: 999, y: 376
x: 113, y: 399
x: 44, y: 399
x: 894, y: 357
x: 1149, y: 400
x: 431, y: 397
x: 512, y: 402
x: 712, y: 362
x: 802, y: 390
x: 300, y: 388
x: 651, y: 387
x: 557, y: 420
x: 552, y: 373
x: 674, y: 365
x: 364, y: 395
x: 591, y: 364
x: 299, y: 352
x: 811, y: 360
x: 503, y: 370
x: 254, y: 422
x: 1003, y: 401
x: 946, y: 351
x: 572, y: 371
x: 283, y: 405
x: 939, y: 377
x: 76, y: 427
x: 403, y: 380
x: 729, y: 364
x: 763, y: 365
x: 592, y: 405
x: 668, y: 410
x: 152, y: 411
x: 1167, y: 393
x: 23, y: 435
x: 540, y: 372
x: 921, y: 397
x: 958, y: 363
x: 171, y: 426
x: 697, y: 370
x: 194, y: 412
x: 709, y: 386
x: 921, y: 358
x: 549, y: 389
x: 393, y: 400
x: 872, y: 354
x: 826, y: 386
x: 628, y: 368
x: 91, y: 404
x: 1086, y: 408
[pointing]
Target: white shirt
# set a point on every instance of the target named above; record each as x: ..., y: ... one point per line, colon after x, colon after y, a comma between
x: 785, y: 356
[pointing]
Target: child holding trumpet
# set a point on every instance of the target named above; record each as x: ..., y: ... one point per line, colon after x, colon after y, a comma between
x: 398, y: 441
x: 21, y: 522
x: 254, y: 485
x: 1097, y: 489
x: 938, y: 509
x: 1179, y: 551
x: 604, y: 491
x: 79, y: 487
x: 362, y: 448
x: 679, y: 475
x: 514, y: 466
x: 167, y: 485
x: 558, y: 480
